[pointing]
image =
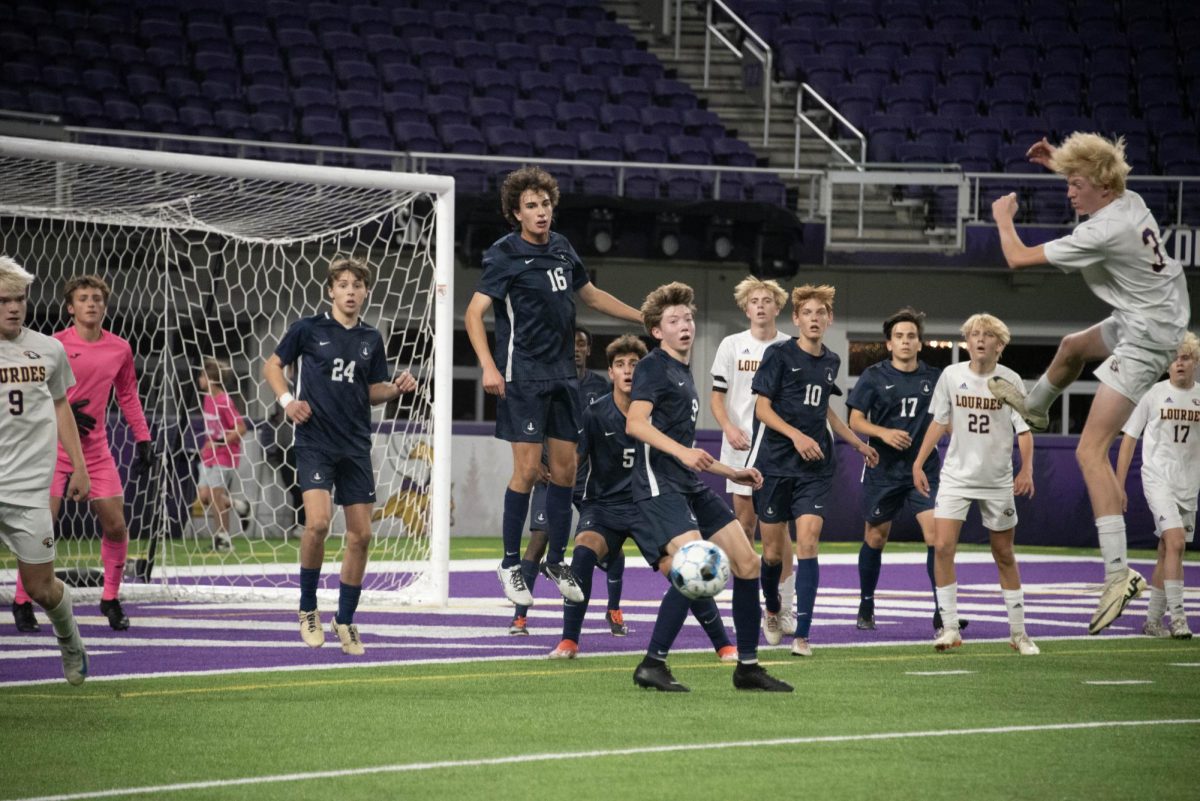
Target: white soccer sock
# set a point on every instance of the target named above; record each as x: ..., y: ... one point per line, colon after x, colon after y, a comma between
x: 62, y: 617
x: 1174, y: 592
x: 787, y: 592
x: 1042, y: 395
x: 947, y: 600
x: 1014, y: 602
x: 1112, y: 545
x: 1158, y: 605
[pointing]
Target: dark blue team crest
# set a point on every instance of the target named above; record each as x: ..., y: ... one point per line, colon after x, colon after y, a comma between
x: 925, y: 388
x: 365, y: 350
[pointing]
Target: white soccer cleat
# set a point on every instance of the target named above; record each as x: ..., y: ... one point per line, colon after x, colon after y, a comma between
x: 310, y: 629
x: 1022, y: 645
x: 564, y: 579
x: 74, y: 658
x: 787, y: 622
x: 514, y: 585
x: 1179, y: 629
x: 1116, y: 595
x: 1005, y: 392
x: 241, y: 506
x: 348, y: 635
x: 948, y: 638
x: 1155, y: 628
x: 772, y: 630
x: 800, y: 647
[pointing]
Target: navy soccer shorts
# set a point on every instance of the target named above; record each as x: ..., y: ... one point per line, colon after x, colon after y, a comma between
x: 784, y: 498
x: 613, y: 522
x: 665, y: 517
x: 882, y: 501
x: 534, y: 411
x: 352, y: 475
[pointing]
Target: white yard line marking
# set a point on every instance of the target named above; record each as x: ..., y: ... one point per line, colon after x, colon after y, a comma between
x: 413, y: 767
x: 938, y: 672
x: 1185, y: 664
x: 1119, y: 682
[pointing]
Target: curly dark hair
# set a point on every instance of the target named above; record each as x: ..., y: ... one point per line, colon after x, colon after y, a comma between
x: 518, y: 181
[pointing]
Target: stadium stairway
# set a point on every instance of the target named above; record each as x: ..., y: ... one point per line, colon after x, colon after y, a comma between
x: 740, y: 109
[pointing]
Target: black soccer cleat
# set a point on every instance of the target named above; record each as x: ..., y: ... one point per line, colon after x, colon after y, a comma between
x: 865, y: 622
x: 115, y: 614
x: 23, y: 617
x: 756, y: 677
x: 655, y: 675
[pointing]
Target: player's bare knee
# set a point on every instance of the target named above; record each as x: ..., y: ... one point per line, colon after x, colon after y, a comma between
x: 317, y: 526
x: 745, y: 564
x: 875, y: 537
x: 593, y: 542
x: 358, y: 541
x: 117, y: 533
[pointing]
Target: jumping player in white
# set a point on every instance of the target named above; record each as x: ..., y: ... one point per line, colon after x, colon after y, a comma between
x: 1119, y: 253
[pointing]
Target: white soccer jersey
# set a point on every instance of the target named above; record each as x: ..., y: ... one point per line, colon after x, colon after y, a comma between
x: 34, y: 372
x: 1118, y: 252
x: 738, y: 357
x: 980, y: 457
x: 1168, y: 421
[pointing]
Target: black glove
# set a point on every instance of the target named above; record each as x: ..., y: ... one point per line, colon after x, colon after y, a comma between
x: 144, y: 459
x: 83, y: 421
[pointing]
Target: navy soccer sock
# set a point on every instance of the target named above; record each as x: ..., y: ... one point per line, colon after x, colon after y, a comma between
x: 347, y: 602
x: 706, y: 611
x: 671, y: 614
x: 808, y: 575
x: 529, y: 571
x: 770, y: 585
x: 558, y: 521
x: 310, y: 577
x: 869, y: 561
x: 746, y: 614
x: 516, y: 507
x: 929, y: 560
x: 583, y: 564
x: 616, y: 578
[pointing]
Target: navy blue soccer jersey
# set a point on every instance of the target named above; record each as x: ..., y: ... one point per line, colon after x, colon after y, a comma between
x: 592, y: 387
x: 335, y: 367
x: 667, y: 383
x: 606, y: 454
x: 895, y: 399
x: 799, y: 386
x: 533, y: 288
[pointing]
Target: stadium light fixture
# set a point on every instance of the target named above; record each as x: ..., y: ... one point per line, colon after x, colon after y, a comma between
x: 666, y: 234
x: 720, y: 237
x: 600, y: 233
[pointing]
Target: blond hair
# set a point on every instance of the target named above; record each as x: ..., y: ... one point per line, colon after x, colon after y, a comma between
x: 1190, y: 346
x: 749, y: 285
x: 659, y: 300
x: 1101, y: 161
x: 14, y: 279
x: 803, y: 294
x: 989, y: 324
x: 342, y: 264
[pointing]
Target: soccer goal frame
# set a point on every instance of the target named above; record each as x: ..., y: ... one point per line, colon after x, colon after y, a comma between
x: 407, y: 217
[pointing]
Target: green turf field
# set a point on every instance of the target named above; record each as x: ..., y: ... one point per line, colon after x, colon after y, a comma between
x: 530, y: 729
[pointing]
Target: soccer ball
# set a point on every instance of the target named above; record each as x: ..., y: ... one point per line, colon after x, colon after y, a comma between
x: 699, y: 570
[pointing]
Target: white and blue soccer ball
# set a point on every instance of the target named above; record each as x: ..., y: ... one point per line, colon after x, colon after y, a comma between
x: 699, y: 570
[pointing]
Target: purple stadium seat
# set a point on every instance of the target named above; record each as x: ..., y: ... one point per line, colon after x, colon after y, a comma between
x: 674, y: 94
x: 310, y: 100
x: 533, y: 115
x: 555, y: 144
x: 661, y: 121
x: 952, y: 101
x: 703, y: 123
x: 403, y: 107
x: 629, y: 91
x: 447, y: 110
x: 492, y: 28
x: 451, y: 25
x: 883, y: 43
x: 732, y: 152
x: 587, y: 89
x: 506, y: 141
x: 641, y: 64
x: 601, y: 62
x: 490, y: 112
x: 576, y: 117
x: 449, y: 81
x: 412, y: 23
x: 538, y: 85
x: 496, y: 83
x: 620, y: 119
x: 689, y: 150
x: 354, y: 101
x: 417, y: 136
x: 403, y: 78
x: 558, y: 59
x: 430, y: 52
x: 919, y: 153
x: 872, y: 72
x: 575, y: 33
x: 969, y: 157
x: 471, y: 55
x: 1007, y: 101
x: 935, y: 131
x: 806, y: 13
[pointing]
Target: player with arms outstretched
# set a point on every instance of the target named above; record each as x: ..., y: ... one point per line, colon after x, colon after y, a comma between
x: 607, y: 514
x: 103, y: 365
x: 1168, y: 420
x: 1118, y: 251
x: 793, y: 449
x: 530, y: 279
x: 34, y: 378
x: 341, y: 371
x: 673, y: 506
x: 737, y: 360
x: 890, y: 405
x: 978, y: 469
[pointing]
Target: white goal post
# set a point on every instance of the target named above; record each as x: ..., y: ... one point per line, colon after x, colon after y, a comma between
x: 211, y: 259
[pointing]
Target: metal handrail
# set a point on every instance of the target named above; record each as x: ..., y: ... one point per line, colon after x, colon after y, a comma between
x: 806, y: 88
x: 766, y: 56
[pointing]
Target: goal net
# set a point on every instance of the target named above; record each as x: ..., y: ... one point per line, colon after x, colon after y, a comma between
x: 213, y: 258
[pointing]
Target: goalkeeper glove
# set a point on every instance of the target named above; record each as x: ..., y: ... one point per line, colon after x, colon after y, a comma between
x: 83, y: 421
x: 145, y: 457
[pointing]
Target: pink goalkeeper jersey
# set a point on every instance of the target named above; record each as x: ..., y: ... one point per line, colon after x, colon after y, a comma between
x: 100, y: 368
x: 221, y: 416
